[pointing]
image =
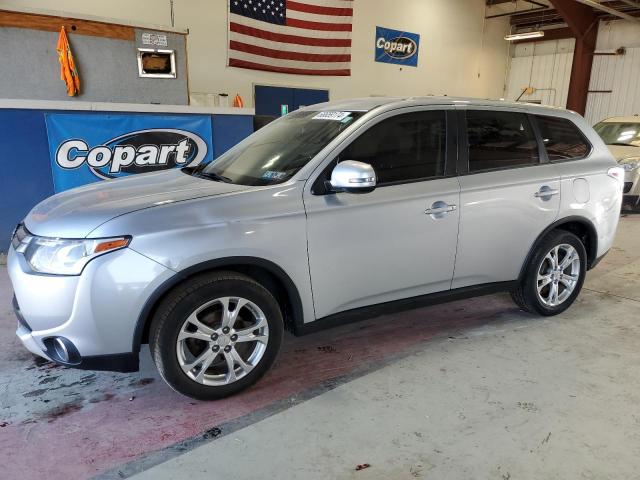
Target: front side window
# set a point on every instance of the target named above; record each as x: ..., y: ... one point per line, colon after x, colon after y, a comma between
x: 619, y: 133
x: 500, y: 140
x: 406, y: 147
x: 562, y: 139
x: 278, y: 151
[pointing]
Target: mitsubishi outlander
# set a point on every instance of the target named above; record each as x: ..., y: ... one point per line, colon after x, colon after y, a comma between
x: 334, y: 212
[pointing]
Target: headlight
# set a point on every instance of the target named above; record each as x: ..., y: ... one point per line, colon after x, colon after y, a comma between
x: 630, y: 164
x: 65, y: 257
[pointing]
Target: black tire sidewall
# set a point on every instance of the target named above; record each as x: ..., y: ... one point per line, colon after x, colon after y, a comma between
x: 530, y: 284
x: 170, y: 320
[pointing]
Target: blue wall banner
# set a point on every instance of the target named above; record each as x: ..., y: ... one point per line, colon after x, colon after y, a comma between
x: 394, y: 46
x: 86, y: 148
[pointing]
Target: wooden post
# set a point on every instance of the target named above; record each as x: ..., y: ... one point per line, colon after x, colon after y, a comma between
x: 583, y: 21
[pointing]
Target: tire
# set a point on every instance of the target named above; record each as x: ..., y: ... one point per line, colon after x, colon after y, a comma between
x: 568, y: 282
x: 193, y: 351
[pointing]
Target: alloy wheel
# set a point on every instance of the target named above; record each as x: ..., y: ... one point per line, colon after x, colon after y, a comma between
x: 558, y: 275
x: 222, y: 341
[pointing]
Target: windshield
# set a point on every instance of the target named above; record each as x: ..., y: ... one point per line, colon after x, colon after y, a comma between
x: 615, y: 133
x: 276, y: 152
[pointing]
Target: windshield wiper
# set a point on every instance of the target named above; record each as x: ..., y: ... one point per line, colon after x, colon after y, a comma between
x: 198, y: 171
x: 622, y: 144
x: 212, y: 176
x: 191, y: 170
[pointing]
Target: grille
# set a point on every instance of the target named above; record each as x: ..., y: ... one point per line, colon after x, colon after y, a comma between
x: 627, y: 187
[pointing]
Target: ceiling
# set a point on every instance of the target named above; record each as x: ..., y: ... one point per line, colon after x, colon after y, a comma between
x: 528, y: 14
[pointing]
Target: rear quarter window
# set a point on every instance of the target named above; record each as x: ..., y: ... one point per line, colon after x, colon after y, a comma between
x: 562, y: 139
x: 500, y: 139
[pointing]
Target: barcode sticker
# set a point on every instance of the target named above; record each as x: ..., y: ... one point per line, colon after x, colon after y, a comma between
x: 336, y: 116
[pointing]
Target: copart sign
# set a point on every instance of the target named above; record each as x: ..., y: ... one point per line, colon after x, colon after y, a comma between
x: 85, y: 148
x: 394, y: 46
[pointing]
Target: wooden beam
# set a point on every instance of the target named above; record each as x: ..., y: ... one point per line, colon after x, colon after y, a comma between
x: 74, y: 26
x: 583, y: 22
x: 578, y: 16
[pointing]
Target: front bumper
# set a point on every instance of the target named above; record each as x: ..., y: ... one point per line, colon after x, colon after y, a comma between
x: 92, y: 316
x: 631, y: 190
x: 123, y: 362
x: 630, y: 202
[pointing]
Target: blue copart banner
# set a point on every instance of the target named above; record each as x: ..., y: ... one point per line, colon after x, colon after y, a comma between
x: 85, y: 148
x: 395, y: 46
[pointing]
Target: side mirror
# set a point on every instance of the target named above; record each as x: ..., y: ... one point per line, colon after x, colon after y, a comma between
x: 353, y: 177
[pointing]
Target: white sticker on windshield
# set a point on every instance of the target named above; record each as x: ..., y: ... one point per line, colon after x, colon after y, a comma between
x: 274, y: 175
x: 337, y: 116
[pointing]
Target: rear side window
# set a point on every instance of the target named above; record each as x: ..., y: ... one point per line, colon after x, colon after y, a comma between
x: 562, y: 139
x: 500, y: 140
x: 406, y: 147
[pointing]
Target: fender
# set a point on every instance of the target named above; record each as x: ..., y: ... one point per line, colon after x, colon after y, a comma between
x: 593, y: 240
x: 279, y: 273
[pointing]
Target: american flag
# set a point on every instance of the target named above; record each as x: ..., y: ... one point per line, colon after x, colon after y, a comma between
x: 310, y: 37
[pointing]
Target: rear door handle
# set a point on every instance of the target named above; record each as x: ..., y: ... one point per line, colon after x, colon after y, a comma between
x: 439, y: 208
x: 546, y: 192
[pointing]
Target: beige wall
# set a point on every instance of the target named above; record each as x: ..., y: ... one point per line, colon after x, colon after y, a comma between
x: 456, y: 57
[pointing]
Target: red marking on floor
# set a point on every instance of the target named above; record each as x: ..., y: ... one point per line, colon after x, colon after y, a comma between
x: 79, y: 438
x: 78, y: 442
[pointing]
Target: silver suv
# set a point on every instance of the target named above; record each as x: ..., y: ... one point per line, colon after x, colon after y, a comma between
x: 622, y: 136
x: 329, y: 214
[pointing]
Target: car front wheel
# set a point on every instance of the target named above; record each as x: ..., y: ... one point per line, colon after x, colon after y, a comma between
x: 215, y: 335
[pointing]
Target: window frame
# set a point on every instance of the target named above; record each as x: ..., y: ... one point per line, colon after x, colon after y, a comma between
x: 450, y: 157
x: 463, y: 140
x: 535, y: 117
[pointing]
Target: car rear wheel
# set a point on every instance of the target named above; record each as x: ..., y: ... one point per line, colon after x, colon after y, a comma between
x: 554, y: 276
x: 215, y: 335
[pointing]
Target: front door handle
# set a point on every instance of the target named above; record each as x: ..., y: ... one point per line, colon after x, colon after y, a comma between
x: 439, y: 208
x: 546, y: 192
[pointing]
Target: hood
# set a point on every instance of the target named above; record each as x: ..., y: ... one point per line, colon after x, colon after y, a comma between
x: 75, y: 213
x: 620, y: 152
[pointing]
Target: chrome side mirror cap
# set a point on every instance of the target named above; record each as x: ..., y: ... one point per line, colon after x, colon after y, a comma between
x: 353, y: 177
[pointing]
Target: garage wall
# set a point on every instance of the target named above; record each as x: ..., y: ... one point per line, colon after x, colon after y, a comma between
x: 619, y: 73
x: 28, y: 175
x: 545, y: 66
x: 108, y: 69
x: 456, y: 57
x: 548, y: 64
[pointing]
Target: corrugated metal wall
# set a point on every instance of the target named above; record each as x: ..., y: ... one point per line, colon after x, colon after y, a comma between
x: 545, y: 66
x: 621, y: 75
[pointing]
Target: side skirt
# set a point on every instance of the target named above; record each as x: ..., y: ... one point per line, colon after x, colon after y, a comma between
x: 372, y: 311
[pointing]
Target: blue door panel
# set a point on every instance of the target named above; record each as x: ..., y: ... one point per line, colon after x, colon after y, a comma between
x: 24, y: 159
x: 270, y: 99
x: 229, y: 130
x: 303, y: 97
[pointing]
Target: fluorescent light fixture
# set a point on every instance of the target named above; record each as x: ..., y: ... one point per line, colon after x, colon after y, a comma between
x: 524, y: 35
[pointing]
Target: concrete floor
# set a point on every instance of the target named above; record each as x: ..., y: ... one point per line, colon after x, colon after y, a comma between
x: 472, y: 389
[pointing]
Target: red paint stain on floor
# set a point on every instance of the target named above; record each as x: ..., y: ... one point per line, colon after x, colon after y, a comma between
x: 79, y: 442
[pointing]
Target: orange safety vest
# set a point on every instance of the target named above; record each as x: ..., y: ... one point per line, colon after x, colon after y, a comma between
x: 68, y: 70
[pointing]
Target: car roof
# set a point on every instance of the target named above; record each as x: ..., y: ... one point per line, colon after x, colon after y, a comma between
x: 629, y: 119
x: 369, y: 103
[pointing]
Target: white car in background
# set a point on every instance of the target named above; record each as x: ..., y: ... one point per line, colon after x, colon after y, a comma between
x: 622, y: 136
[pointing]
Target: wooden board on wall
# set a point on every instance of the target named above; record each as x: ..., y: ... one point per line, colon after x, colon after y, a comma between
x: 72, y: 25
